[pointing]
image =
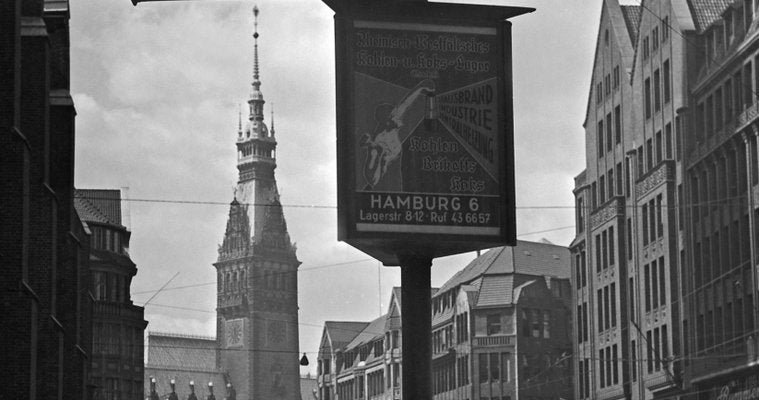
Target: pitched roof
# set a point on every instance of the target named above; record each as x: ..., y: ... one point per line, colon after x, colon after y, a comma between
x: 631, y: 15
x: 705, y: 12
x: 372, y: 330
x: 530, y: 258
x: 185, y: 352
x: 496, y: 290
x: 343, y: 332
x: 99, y: 205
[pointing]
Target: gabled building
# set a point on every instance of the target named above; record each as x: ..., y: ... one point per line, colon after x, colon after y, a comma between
x: 665, y: 292
x: 500, y: 330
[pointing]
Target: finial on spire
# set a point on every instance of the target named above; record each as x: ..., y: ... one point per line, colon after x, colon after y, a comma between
x: 272, y: 120
x: 255, y: 44
x: 239, y: 119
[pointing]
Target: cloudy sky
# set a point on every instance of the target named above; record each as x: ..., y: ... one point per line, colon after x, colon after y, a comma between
x: 157, y: 89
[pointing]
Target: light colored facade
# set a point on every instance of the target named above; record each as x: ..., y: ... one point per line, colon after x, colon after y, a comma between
x: 500, y: 330
x: 722, y: 186
x: 664, y: 249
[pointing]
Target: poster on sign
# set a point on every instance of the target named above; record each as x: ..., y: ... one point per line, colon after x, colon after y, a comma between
x: 425, y: 135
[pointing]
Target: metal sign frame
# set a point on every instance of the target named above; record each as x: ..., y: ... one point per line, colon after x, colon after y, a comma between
x: 401, y: 67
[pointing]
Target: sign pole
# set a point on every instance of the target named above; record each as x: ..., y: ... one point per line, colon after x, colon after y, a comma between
x: 416, y: 319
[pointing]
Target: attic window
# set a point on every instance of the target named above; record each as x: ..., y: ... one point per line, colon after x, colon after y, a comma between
x: 606, y: 37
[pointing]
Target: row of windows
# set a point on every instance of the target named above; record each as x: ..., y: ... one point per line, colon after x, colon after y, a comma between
x: 494, y: 367
x: 442, y: 339
x: 536, y: 323
x: 655, y: 284
x: 583, y: 382
x: 115, y: 340
x: 664, y: 75
x: 441, y: 302
x: 608, y: 366
x: 603, y: 90
x: 612, y: 135
x: 652, y: 220
x: 722, y: 35
x: 724, y: 318
x: 721, y: 252
x: 653, y: 44
x: 444, y: 375
x: 607, y: 307
x: 377, y: 382
x: 657, y: 348
x: 108, y: 286
x: 103, y: 238
x: 605, y: 249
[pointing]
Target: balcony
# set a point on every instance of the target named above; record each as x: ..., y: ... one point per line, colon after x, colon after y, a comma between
x: 661, y: 173
x: 614, y: 207
x: 493, y: 341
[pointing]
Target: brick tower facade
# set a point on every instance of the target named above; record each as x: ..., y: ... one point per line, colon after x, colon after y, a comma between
x: 257, y: 311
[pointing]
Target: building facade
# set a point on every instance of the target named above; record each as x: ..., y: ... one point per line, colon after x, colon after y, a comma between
x: 257, y: 274
x: 43, y: 245
x: 664, y: 297
x: 500, y: 330
x: 118, y: 325
x: 722, y: 188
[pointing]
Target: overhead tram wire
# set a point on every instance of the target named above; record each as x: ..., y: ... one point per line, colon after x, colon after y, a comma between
x: 323, y: 266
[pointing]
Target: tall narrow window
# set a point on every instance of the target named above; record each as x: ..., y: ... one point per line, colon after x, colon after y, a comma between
x: 611, y: 245
x: 668, y: 141
x: 647, y: 94
x: 667, y: 82
x: 609, y: 127
x: 617, y: 124
x: 619, y: 184
x: 657, y: 90
x: 613, y: 303
x: 659, y: 145
x: 600, y: 138
x: 647, y: 285
x: 662, y: 282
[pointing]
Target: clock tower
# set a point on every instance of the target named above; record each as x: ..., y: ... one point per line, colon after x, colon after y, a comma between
x: 257, y: 269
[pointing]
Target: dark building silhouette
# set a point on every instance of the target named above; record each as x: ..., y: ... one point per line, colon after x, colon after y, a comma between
x: 117, y: 324
x: 44, y: 248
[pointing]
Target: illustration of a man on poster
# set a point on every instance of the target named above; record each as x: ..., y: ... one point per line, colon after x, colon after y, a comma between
x: 384, y: 145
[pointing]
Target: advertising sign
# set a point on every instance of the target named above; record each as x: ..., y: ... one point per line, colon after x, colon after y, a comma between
x: 425, y: 135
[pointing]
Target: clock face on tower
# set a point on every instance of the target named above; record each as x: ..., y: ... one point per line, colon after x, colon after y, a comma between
x: 234, y: 330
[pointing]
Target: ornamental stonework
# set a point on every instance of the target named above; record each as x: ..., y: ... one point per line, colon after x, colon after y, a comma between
x: 653, y: 179
x: 608, y: 211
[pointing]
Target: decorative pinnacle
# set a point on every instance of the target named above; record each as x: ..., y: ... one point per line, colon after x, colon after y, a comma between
x: 239, y: 118
x: 272, y: 120
x: 255, y: 45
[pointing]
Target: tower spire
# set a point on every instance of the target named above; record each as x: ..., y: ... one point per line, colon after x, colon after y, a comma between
x: 271, y: 130
x: 256, y: 101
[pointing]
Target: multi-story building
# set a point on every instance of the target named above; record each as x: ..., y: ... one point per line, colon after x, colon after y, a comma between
x: 117, y: 324
x: 44, y: 247
x: 721, y: 187
x: 500, y: 330
x: 257, y: 281
x: 663, y: 285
